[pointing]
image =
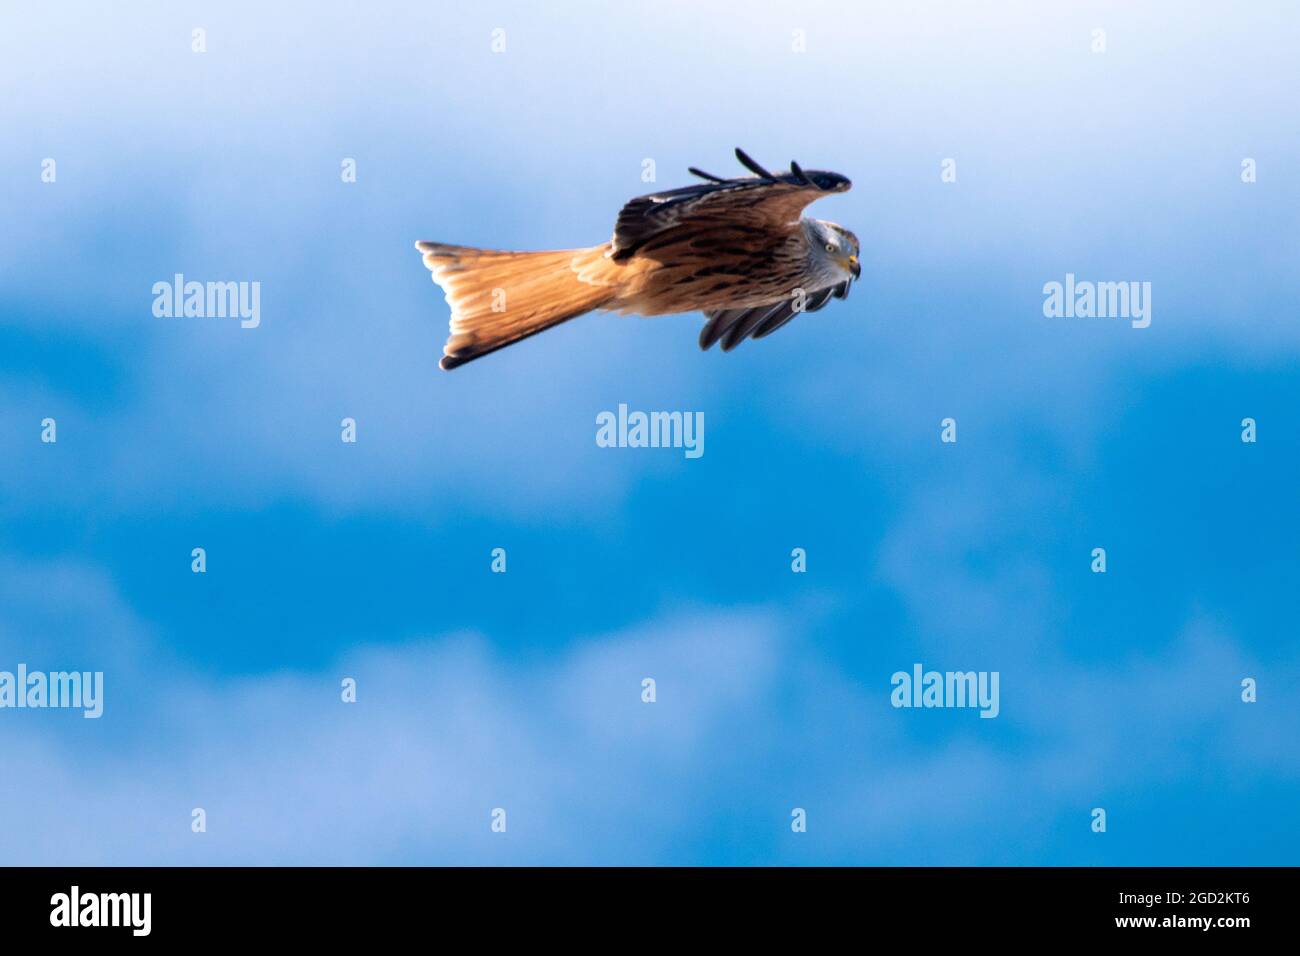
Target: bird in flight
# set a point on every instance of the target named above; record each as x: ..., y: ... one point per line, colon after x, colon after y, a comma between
x: 738, y: 250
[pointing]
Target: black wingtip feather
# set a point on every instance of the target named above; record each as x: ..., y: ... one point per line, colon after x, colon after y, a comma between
x: 748, y: 162
x: 696, y: 171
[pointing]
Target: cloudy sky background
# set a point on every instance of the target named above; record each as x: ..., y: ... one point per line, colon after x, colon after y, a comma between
x: 522, y: 690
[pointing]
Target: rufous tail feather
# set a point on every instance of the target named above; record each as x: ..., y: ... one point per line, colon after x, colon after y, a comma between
x: 499, y: 298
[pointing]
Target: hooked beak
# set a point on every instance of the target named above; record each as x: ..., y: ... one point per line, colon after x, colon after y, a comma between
x: 854, y: 267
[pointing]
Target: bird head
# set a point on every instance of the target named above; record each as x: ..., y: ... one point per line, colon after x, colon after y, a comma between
x: 838, y: 245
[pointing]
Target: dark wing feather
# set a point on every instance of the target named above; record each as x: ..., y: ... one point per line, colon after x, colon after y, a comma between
x: 741, y: 329
x: 719, y: 321
x: 764, y: 201
x: 733, y: 326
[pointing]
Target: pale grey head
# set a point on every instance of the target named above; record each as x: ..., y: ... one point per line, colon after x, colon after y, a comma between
x: 833, y: 252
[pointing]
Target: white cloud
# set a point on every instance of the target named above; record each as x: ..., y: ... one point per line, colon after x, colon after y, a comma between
x: 750, y: 721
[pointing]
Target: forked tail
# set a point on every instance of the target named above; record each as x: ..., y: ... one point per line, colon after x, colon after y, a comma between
x: 499, y: 298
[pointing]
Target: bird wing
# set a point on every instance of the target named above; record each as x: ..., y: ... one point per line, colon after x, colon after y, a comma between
x: 762, y: 201
x: 733, y: 326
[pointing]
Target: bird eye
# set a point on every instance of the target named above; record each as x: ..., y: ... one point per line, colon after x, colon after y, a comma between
x: 830, y: 247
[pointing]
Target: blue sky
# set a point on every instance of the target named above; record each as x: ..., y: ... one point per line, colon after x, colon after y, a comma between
x: 522, y: 691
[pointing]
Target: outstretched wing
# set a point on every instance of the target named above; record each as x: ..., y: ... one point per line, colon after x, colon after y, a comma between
x: 733, y: 326
x: 762, y: 201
